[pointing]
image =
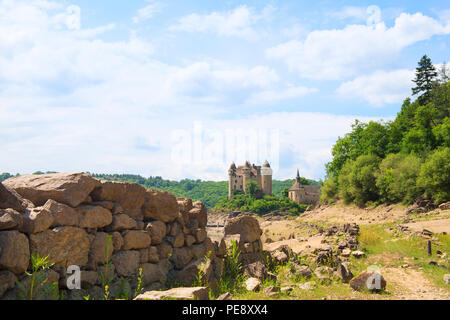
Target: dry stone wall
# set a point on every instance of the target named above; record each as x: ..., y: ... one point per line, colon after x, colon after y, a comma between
x: 75, y: 219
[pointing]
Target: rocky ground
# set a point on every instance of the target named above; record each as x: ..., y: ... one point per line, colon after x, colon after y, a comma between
x: 333, y: 244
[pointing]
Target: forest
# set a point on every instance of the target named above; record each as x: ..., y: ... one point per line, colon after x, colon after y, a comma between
x: 400, y: 160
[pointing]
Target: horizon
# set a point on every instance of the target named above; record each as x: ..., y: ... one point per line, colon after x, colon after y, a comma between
x: 179, y: 90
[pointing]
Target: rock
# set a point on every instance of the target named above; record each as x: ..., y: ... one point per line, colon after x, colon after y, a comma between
x: 63, y: 215
x: 176, y: 241
x: 10, y: 219
x: 181, y: 257
x: 64, y: 246
x: 351, y: 228
x: 307, y: 285
x: 446, y: 279
x: 100, y: 246
x: 135, y: 239
x: 189, y: 240
x: 153, y: 256
x: 271, y: 290
x: 122, y: 222
x: 346, y: 252
x: 286, y: 289
x: 94, y: 216
x: 221, y: 248
x: 199, y: 250
x: 10, y: 199
x: 279, y: 256
x: 157, y: 231
x: 426, y: 232
x: 7, y: 281
x: 117, y: 240
x: 303, y: 271
x: 189, y: 273
x: 252, y: 284
x: 445, y: 206
x: 368, y: 281
x: 160, y: 205
x: 342, y: 244
x: 256, y: 270
x: 14, y: 251
x: 164, y: 250
x: 200, y: 235
x: 344, y: 272
x: 68, y: 188
x: 324, y: 274
x: 107, y: 205
x: 195, y: 293
x: 184, y: 204
x: 126, y: 262
x: 225, y: 296
x: 199, y: 213
x: 152, y: 272
x: 246, y: 226
x: 36, y: 220
x: 358, y: 254
x: 130, y: 196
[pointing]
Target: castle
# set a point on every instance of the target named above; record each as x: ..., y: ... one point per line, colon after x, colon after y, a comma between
x: 303, y: 193
x: 239, y: 176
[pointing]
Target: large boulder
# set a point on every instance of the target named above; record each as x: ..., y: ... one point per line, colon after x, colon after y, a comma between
x: 68, y: 188
x: 14, y: 251
x: 9, y: 198
x: 130, y: 196
x: 64, y: 246
x: 199, y: 213
x: 189, y: 273
x: 10, y: 219
x: 126, y: 262
x: 36, y: 220
x: 194, y: 293
x: 246, y: 226
x: 94, y: 216
x: 372, y: 281
x: 161, y: 205
x: 154, y: 272
x: 102, y: 248
x: 157, y: 231
x: 253, y: 284
x: 122, y: 222
x: 135, y: 239
x: 63, y: 215
x: 181, y: 257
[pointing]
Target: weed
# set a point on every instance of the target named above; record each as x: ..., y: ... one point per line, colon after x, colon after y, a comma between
x: 39, y: 266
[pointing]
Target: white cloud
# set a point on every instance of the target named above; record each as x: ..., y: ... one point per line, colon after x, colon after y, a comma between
x: 351, y: 12
x: 148, y: 11
x: 286, y: 93
x: 239, y: 22
x: 380, y: 87
x: 355, y: 49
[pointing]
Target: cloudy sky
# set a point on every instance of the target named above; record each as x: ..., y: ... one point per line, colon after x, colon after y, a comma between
x: 179, y: 89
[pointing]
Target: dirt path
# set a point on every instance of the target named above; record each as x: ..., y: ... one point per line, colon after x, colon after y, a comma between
x: 411, y: 284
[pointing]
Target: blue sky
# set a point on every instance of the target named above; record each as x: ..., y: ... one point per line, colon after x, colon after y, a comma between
x: 182, y: 88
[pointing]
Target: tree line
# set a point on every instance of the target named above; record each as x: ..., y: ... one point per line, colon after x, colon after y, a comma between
x: 399, y: 160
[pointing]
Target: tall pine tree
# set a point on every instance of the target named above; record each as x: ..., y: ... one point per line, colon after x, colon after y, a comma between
x: 425, y: 77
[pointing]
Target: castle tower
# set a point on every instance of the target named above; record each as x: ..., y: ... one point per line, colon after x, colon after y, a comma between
x: 246, y: 175
x: 266, y: 178
x: 231, y: 176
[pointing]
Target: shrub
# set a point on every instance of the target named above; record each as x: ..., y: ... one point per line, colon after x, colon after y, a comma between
x: 329, y: 191
x: 396, y: 178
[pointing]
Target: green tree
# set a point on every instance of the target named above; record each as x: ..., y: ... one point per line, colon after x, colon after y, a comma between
x: 357, y: 180
x: 285, y: 192
x: 397, y: 176
x: 425, y: 78
x: 329, y: 191
x: 435, y: 175
x: 253, y: 190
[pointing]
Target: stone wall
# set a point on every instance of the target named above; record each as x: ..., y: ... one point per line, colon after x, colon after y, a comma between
x: 75, y: 219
